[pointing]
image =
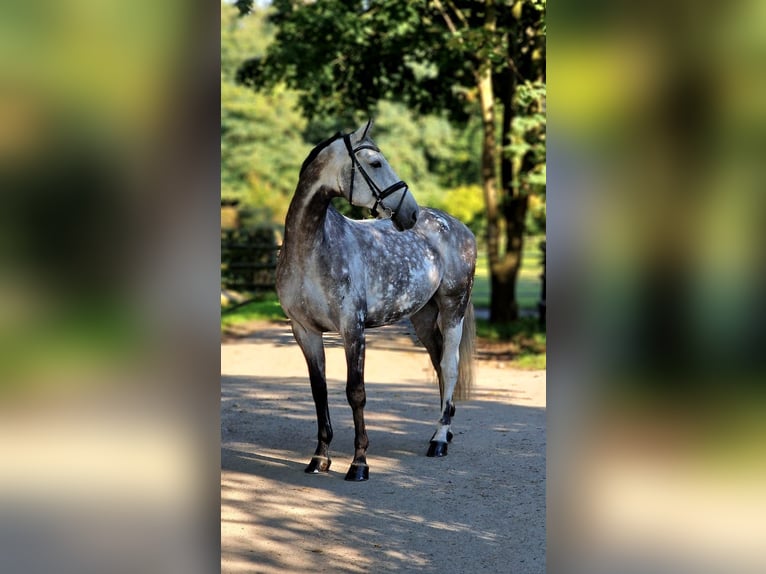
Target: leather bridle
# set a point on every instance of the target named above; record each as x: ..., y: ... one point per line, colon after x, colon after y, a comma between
x: 379, y: 194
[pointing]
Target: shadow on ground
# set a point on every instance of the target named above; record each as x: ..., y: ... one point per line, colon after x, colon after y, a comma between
x: 482, y: 508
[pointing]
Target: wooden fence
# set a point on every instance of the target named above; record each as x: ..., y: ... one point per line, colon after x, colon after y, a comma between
x: 249, y: 258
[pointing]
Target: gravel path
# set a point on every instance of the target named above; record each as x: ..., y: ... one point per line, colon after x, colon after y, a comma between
x: 480, y: 509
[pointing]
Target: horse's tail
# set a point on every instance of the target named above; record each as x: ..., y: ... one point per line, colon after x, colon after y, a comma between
x: 465, y: 374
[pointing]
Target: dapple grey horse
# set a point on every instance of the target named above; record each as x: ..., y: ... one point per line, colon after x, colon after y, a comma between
x: 336, y: 274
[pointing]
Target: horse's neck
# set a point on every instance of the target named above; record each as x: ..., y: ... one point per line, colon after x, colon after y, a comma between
x: 307, y: 214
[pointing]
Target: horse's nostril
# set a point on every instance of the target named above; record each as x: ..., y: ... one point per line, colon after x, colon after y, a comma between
x: 414, y: 217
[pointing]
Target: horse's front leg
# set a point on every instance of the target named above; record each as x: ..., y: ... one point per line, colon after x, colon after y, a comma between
x: 313, y: 349
x: 449, y: 371
x: 354, y: 343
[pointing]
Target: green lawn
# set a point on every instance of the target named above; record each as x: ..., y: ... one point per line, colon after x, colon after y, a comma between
x: 265, y: 308
x: 524, y: 339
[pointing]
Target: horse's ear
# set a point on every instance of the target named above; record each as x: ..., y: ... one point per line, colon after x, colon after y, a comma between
x: 367, y: 128
x: 363, y: 131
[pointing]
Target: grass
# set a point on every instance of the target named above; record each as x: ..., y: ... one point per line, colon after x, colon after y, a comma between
x: 264, y: 308
x: 524, y: 340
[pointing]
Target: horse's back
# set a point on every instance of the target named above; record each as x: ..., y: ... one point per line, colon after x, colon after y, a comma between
x: 436, y: 221
x: 450, y: 237
x: 438, y: 246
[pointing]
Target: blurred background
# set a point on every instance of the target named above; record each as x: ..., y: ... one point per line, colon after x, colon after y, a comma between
x: 117, y: 161
x: 656, y: 274
x: 109, y: 179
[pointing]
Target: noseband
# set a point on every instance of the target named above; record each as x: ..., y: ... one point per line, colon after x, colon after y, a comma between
x: 379, y: 194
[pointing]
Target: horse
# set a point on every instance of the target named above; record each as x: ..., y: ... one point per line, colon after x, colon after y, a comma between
x: 336, y: 274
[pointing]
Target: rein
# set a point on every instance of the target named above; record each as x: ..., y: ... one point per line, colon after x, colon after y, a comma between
x: 379, y: 194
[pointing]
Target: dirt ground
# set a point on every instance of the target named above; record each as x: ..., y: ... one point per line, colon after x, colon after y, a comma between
x: 479, y: 509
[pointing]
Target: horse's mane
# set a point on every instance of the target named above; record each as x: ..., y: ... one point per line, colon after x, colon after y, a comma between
x: 315, y: 152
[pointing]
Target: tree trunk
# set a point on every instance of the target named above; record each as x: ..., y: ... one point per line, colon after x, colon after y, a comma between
x: 501, y: 304
x: 504, y: 270
x: 489, y: 169
x: 504, y: 306
x: 514, y: 210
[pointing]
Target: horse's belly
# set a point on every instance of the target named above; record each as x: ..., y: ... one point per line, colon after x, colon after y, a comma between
x: 388, y: 303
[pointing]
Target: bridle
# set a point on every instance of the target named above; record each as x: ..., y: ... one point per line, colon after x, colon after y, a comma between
x: 379, y: 194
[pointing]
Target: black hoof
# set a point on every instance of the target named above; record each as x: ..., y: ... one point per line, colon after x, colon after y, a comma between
x: 358, y: 473
x: 449, y: 436
x: 437, y: 448
x: 318, y: 464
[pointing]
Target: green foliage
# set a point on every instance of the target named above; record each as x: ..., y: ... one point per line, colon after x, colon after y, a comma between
x: 264, y: 138
x: 244, y: 6
x: 261, y: 133
x: 241, y: 38
x: 344, y: 57
x: 528, y: 138
x: 429, y: 153
x: 465, y: 202
x: 536, y: 216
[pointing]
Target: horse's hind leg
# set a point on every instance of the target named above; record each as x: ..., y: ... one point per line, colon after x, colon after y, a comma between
x: 426, y: 326
x: 451, y: 333
x: 428, y: 332
x: 313, y: 349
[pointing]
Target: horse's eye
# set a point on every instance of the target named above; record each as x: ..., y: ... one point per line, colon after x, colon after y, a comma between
x: 376, y: 164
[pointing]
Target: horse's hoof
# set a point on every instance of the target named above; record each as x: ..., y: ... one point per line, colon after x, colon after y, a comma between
x: 358, y: 473
x: 318, y: 464
x: 449, y: 436
x: 437, y: 448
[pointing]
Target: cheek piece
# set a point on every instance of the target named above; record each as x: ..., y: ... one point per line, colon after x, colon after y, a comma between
x: 379, y: 194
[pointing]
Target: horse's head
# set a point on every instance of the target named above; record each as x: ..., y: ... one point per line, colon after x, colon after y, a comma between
x: 369, y: 181
x: 352, y: 165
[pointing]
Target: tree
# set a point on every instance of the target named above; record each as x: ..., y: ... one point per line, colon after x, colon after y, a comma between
x: 262, y: 143
x: 457, y: 57
x: 264, y: 138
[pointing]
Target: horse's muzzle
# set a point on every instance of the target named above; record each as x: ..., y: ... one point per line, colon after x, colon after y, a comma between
x: 405, y: 218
